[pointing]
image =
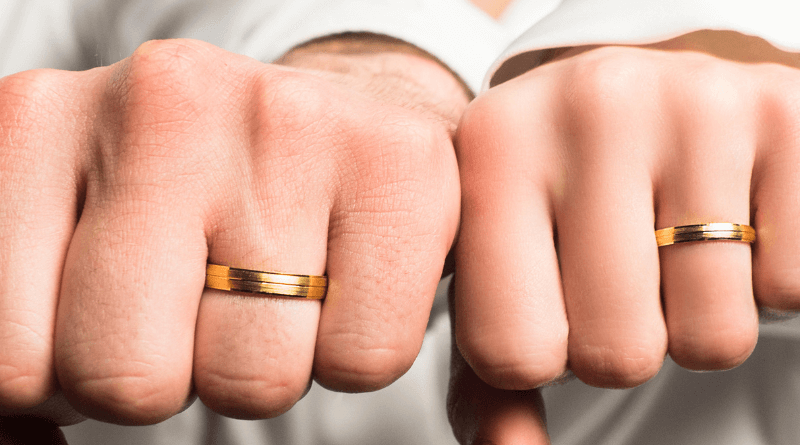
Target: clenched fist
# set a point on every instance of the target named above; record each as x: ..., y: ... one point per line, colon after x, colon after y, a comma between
x: 567, y: 171
x: 120, y: 183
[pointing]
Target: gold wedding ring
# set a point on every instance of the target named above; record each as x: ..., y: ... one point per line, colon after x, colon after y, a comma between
x: 705, y: 232
x: 312, y: 287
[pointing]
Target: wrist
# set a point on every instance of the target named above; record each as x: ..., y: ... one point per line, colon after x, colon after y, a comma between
x: 387, y: 70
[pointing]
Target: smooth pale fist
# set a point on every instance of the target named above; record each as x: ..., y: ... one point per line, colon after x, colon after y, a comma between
x: 568, y: 169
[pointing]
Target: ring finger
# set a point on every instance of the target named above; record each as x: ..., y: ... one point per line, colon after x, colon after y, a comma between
x: 707, y: 286
x: 254, y: 352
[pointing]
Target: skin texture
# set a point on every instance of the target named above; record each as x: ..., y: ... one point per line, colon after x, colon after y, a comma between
x: 140, y: 174
x: 568, y: 169
x: 122, y: 181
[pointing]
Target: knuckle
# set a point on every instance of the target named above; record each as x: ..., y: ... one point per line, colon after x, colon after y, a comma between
x: 714, y: 88
x: 619, y: 366
x: 160, y: 87
x: 780, y: 101
x: 362, y: 369
x: 395, y: 134
x: 43, y: 115
x: 250, y: 397
x: 128, y: 399
x: 26, y: 373
x: 720, y: 348
x: 393, y: 164
x: 293, y: 118
x: 412, y: 136
x: 508, y: 363
x: 23, y: 386
x: 165, y: 66
x: 300, y: 119
x: 27, y: 88
x: 486, y: 120
x: 157, y: 113
x: 126, y: 391
x: 27, y: 101
x: 405, y: 147
x: 606, y: 80
x: 290, y: 103
x: 506, y: 135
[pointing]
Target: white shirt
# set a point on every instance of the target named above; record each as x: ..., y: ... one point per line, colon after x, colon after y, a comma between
x: 754, y: 404
x: 560, y: 23
x: 79, y: 34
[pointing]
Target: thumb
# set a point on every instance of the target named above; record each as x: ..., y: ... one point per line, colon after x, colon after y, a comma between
x: 483, y: 415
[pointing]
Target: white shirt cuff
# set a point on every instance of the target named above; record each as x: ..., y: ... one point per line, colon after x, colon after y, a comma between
x: 584, y: 22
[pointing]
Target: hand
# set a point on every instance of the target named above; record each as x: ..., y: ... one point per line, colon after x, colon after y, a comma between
x: 566, y: 172
x: 120, y: 183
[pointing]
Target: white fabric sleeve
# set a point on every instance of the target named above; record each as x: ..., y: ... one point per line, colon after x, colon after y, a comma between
x: 583, y: 22
x: 36, y: 34
x: 454, y: 31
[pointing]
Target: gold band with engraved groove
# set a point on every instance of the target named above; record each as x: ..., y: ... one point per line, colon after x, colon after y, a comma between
x: 705, y: 232
x: 267, y: 277
x: 271, y: 283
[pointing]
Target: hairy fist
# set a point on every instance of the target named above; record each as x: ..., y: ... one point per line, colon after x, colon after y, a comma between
x: 120, y: 183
